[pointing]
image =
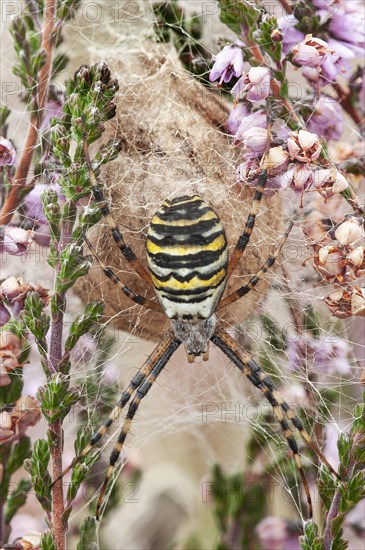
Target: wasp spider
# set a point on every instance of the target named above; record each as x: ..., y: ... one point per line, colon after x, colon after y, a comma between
x: 188, y: 267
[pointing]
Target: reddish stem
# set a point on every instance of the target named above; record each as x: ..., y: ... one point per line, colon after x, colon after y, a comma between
x: 12, y: 200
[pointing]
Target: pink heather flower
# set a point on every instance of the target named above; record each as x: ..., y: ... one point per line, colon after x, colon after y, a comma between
x: 34, y: 211
x: 276, y: 161
x: 111, y: 374
x: 228, y: 63
x: 329, y: 181
x: 254, y: 120
x: 311, y: 52
x: 298, y: 177
x: 255, y: 140
x: 344, y: 303
x: 331, y: 432
x: 53, y: 109
x: 24, y: 523
x: 15, y: 290
x: 349, y: 27
x: 304, y: 146
x: 338, y: 62
x: 7, y: 152
x: 328, y: 261
x: 248, y: 171
x: 327, y: 118
x: 236, y: 116
x: 291, y: 35
x: 256, y: 83
x: 16, y: 240
x: 33, y: 203
x: 350, y: 231
x: 275, y: 533
x: 4, y: 315
x: 327, y: 354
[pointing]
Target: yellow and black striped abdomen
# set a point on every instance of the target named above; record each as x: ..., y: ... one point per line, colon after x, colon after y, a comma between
x: 187, y: 256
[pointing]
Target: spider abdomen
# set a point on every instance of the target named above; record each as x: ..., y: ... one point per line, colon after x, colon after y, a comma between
x: 187, y: 257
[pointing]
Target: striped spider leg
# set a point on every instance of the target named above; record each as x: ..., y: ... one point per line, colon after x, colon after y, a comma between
x: 282, y: 411
x: 97, y: 191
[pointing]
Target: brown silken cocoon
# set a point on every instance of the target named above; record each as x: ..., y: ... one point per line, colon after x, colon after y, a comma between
x: 175, y: 143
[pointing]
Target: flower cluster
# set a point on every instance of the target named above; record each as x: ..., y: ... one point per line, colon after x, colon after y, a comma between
x: 326, y: 354
x: 342, y: 32
x: 7, y: 152
x: 340, y: 258
x: 10, y: 351
x: 15, y: 240
x: 322, y: 42
x: 14, y: 423
x: 13, y: 292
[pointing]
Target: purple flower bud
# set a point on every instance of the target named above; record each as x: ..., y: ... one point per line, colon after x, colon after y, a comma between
x: 255, y: 139
x: 53, y: 109
x: 228, y: 63
x: 256, y: 83
x: 4, y: 315
x: 349, y: 27
x: 16, y: 240
x: 327, y: 119
x: 85, y: 349
x: 272, y: 532
x: 236, y: 116
x: 291, y: 35
x: 33, y: 203
x: 7, y: 152
x: 256, y: 119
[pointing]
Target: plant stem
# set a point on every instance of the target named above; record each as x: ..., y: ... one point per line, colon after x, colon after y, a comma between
x: 347, y: 105
x: 56, y: 448
x: 287, y: 7
x: 328, y: 535
x: 12, y: 200
x: 58, y: 307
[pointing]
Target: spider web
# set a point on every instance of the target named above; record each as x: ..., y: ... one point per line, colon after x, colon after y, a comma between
x: 201, y: 414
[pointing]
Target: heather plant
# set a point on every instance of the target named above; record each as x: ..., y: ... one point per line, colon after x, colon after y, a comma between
x: 45, y: 200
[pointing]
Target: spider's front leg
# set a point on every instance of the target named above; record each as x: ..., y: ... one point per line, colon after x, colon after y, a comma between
x: 282, y: 410
x: 160, y: 351
x: 158, y: 366
x: 256, y: 278
x: 126, y: 250
x: 247, y: 232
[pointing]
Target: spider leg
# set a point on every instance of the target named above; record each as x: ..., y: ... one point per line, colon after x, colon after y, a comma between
x: 255, y: 279
x: 141, y: 392
x: 281, y: 409
x: 137, y: 298
x: 268, y: 388
x: 245, y: 237
x: 127, y: 252
x: 139, y: 378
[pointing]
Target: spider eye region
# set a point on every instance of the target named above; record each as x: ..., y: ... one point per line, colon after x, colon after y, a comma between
x: 187, y: 256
